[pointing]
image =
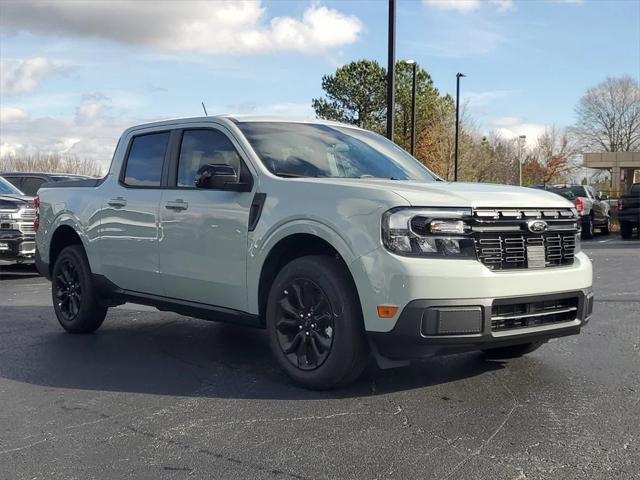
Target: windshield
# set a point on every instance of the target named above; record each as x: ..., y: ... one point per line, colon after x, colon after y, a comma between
x: 7, y: 188
x: 292, y: 149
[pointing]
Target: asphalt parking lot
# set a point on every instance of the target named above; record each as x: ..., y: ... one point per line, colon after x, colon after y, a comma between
x: 157, y: 395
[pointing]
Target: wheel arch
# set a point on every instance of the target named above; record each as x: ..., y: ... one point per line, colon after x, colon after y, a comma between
x: 63, y: 236
x: 288, y: 248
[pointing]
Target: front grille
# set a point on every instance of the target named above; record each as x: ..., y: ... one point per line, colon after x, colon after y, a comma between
x: 503, y: 241
x: 509, y: 251
x: 514, y: 316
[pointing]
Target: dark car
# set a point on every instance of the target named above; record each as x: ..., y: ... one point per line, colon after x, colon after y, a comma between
x: 29, y: 183
x: 629, y: 211
x: 17, y: 232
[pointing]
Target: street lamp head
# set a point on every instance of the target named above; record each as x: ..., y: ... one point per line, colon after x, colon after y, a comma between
x: 523, y: 137
x: 460, y: 75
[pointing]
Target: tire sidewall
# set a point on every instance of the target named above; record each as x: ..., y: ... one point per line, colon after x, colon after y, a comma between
x: 348, y: 333
x: 90, y: 316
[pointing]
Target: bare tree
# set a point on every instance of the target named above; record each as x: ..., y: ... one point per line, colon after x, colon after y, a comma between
x: 50, y: 162
x: 553, y: 159
x: 609, y: 116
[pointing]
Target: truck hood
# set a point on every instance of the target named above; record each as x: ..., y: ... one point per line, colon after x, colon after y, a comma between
x: 474, y: 195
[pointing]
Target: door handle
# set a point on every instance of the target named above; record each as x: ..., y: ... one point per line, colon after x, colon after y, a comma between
x: 117, y: 202
x: 177, y: 205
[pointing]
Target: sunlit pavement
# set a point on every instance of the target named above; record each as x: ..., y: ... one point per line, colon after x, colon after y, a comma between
x: 155, y: 395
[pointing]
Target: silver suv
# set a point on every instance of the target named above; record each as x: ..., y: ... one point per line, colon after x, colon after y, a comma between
x: 331, y: 237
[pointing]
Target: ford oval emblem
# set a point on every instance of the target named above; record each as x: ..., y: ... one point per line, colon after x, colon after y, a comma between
x: 537, y: 226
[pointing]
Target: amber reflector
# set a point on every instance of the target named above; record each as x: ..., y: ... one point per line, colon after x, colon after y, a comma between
x: 385, y: 311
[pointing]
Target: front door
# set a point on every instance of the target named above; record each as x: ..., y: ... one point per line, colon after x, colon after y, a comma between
x: 203, y: 233
x: 128, y: 239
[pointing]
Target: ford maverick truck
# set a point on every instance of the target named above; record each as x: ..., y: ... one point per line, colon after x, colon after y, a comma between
x: 332, y: 238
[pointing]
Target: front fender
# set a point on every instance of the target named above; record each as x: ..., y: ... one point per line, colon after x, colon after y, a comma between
x: 260, y: 245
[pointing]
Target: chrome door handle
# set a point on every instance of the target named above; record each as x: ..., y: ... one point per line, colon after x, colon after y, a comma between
x: 177, y: 205
x: 117, y: 202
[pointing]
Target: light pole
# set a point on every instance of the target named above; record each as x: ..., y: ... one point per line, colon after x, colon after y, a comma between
x: 455, y: 167
x: 391, y: 71
x: 521, y: 140
x: 414, y: 66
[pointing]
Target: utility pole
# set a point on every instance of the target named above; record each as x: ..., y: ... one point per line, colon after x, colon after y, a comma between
x: 521, y: 140
x: 455, y: 168
x: 391, y: 70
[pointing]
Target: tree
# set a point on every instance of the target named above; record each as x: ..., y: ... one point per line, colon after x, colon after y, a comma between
x: 609, y: 116
x: 50, y: 162
x: 356, y: 94
x: 552, y: 160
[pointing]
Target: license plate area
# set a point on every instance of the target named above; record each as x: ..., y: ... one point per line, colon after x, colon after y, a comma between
x: 536, y: 256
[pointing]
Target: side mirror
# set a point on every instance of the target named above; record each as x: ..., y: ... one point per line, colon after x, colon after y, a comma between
x: 218, y: 176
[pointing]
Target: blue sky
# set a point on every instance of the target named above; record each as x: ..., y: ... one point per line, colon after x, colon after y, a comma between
x: 75, y: 74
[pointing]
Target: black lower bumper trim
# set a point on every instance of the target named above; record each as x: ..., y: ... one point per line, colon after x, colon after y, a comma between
x: 420, y: 332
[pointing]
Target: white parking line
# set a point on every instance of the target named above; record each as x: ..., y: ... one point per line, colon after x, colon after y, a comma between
x: 605, y: 241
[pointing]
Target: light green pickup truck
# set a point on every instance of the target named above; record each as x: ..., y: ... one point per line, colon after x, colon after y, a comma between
x: 335, y: 240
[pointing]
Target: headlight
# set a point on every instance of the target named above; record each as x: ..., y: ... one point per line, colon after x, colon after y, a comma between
x: 428, y: 232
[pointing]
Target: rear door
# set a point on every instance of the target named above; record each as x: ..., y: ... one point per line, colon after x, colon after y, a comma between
x: 128, y: 240
x: 203, y: 233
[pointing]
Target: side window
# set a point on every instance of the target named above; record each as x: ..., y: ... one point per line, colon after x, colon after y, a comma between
x: 203, y: 147
x: 15, y: 181
x: 30, y: 185
x: 144, y: 163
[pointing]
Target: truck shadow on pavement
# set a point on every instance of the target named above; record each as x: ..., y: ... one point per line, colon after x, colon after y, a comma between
x: 14, y: 272
x: 165, y: 354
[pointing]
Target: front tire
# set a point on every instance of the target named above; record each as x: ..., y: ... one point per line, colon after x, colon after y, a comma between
x: 512, y: 351
x: 587, y: 227
x: 75, y: 300
x: 315, y: 324
x: 626, y: 230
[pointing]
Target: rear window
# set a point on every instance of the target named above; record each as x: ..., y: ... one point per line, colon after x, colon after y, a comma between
x: 144, y: 163
x: 576, y: 191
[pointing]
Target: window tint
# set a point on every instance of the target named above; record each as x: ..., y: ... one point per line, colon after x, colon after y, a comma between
x: 317, y: 150
x: 203, y: 147
x: 15, y: 181
x: 146, y: 156
x: 30, y: 185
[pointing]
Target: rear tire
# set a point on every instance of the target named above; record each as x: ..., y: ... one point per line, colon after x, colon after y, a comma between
x: 587, y: 227
x: 606, y: 228
x: 315, y: 324
x: 626, y: 230
x: 75, y: 300
x: 512, y: 351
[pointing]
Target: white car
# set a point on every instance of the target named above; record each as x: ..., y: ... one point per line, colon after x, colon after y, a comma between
x: 331, y: 237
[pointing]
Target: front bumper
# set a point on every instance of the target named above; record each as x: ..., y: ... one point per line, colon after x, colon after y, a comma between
x: 438, y: 327
x: 16, y: 247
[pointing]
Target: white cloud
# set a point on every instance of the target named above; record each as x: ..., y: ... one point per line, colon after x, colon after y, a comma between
x: 200, y: 26
x: 512, y: 127
x: 466, y: 6
x: 12, y: 115
x: 19, y: 77
x: 478, y: 99
x: 91, y: 133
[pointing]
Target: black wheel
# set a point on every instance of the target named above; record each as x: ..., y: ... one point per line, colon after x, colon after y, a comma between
x: 315, y: 323
x: 74, y: 299
x: 626, y: 229
x: 606, y: 228
x: 587, y: 227
x: 512, y: 351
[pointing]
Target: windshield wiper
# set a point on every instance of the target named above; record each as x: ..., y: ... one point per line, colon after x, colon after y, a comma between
x: 292, y: 175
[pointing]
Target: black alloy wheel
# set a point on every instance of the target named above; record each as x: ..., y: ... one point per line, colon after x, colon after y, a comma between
x: 68, y: 290
x: 305, y: 324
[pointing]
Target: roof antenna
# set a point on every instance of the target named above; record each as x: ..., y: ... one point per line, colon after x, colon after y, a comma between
x: 205, y: 109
